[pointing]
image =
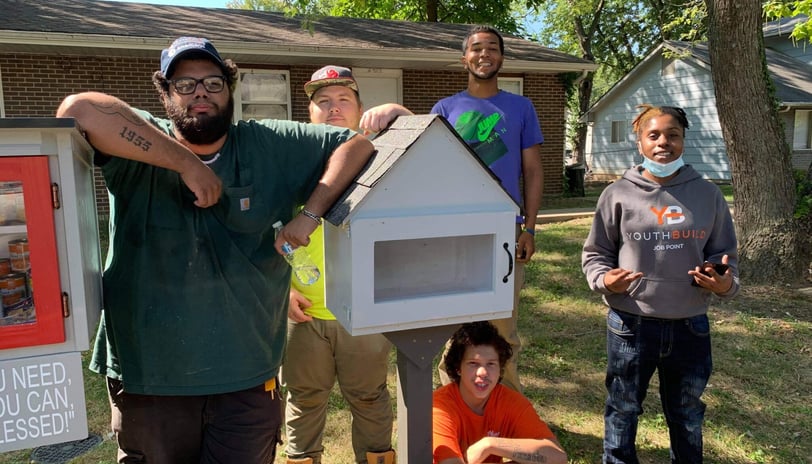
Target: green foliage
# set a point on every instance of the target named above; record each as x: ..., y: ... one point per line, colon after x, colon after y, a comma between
x: 502, y: 14
x: 380, y: 9
x: 803, y: 191
x: 691, y: 22
x: 692, y: 25
x: 569, y: 80
x: 308, y: 10
x: 777, y: 9
x: 615, y: 34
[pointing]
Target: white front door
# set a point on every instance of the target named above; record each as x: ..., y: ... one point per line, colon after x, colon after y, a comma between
x: 378, y: 86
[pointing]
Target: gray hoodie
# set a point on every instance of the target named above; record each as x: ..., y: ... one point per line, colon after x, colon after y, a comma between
x: 662, y: 231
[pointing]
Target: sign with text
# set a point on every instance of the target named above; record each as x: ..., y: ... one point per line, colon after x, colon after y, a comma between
x: 42, y: 401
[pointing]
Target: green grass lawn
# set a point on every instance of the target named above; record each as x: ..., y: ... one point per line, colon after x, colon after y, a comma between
x: 592, y: 191
x: 759, y: 408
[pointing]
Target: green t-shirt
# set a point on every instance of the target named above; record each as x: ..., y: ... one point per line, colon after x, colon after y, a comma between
x: 195, y: 299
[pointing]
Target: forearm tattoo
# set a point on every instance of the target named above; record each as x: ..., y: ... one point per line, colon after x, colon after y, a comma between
x: 517, y: 455
x: 130, y: 136
x: 126, y: 132
x: 527, y: 457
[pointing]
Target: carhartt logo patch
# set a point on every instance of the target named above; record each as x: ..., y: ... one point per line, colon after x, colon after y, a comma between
x: 245, y: 204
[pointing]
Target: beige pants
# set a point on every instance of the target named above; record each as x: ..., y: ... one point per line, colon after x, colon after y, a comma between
x: 318, y: 354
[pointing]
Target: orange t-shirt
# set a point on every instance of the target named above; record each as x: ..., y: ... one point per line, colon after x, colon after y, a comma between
x: 508, y: 414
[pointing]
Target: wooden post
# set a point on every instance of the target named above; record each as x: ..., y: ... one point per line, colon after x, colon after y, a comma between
x: 416, y: 351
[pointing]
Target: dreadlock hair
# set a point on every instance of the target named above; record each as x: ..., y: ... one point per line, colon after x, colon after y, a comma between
x: 650, y: 111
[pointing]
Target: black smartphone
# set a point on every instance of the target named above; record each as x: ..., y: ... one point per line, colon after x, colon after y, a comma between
x: 718, y: 267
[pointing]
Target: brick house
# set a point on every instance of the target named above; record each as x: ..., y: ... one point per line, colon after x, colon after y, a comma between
x: 51, y: 49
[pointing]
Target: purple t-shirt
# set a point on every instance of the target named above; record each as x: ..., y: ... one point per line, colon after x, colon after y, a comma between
x: 497, y: 129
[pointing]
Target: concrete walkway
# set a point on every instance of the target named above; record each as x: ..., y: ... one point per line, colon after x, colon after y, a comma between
x: 557, y: 215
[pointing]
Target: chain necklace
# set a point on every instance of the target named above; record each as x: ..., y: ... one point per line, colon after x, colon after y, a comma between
x: 215, y: 158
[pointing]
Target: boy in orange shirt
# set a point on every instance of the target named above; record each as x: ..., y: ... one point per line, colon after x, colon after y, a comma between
x: 476, y: 419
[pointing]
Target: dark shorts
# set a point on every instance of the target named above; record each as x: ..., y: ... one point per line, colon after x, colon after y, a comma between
x: 243, y: 426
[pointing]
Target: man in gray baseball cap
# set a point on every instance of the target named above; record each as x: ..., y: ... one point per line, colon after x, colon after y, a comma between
x: 320, y: 351
x: 330, y: 75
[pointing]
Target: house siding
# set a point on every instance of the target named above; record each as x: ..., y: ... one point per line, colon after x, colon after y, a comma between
x: 795, y: 121
x: 691, y: 88
x: 34, y: 85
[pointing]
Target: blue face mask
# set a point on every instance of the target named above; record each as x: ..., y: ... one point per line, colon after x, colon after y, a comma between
x: 662, y: 170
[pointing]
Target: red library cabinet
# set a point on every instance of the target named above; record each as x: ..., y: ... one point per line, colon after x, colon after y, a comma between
x: 50, y: 280
x: 28, y: 318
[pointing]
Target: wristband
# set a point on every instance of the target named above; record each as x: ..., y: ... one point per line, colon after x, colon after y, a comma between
x: 530, y: 231
x: 311, y: 216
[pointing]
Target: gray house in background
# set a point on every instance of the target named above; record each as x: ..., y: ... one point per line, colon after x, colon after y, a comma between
x: 683, y: 78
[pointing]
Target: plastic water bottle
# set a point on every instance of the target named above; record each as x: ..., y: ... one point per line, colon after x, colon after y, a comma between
x: 304, y: 269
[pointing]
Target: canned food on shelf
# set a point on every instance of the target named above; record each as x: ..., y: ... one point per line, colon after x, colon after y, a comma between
x: 19, y: 255
x: 13, y: 289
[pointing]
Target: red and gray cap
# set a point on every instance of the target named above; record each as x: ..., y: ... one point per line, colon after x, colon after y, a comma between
x: 188, y: 47
x: 330, y: 75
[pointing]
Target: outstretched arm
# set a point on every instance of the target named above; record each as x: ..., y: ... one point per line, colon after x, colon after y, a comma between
x: 518, y: 450
x: 379, y: 117
x: 342, y: 167
x: 113, y: 128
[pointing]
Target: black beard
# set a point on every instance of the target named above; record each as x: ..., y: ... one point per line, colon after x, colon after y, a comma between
x: 202, y: 129
x: 485, y: 77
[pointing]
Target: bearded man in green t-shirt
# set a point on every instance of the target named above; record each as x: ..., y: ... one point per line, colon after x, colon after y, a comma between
x: 195, y: 288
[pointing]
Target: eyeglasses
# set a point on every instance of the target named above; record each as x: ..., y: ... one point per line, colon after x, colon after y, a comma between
x: 188, y: 85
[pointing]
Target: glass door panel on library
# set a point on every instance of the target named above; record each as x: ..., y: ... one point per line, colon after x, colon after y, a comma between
x: 30, y: 296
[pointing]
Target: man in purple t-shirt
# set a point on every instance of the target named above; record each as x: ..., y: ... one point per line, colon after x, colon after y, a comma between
x: 503, y: 129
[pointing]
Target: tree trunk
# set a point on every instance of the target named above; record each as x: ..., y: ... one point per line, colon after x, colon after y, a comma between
x: 773, y: 246
x: 585, y: 34
x: 431, y: 10
x: 584, y: 99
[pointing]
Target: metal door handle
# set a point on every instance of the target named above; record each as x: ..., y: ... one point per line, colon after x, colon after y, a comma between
x: 506, y: 246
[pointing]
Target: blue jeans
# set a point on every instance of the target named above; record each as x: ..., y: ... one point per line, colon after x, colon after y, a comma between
x: 680, y: 351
